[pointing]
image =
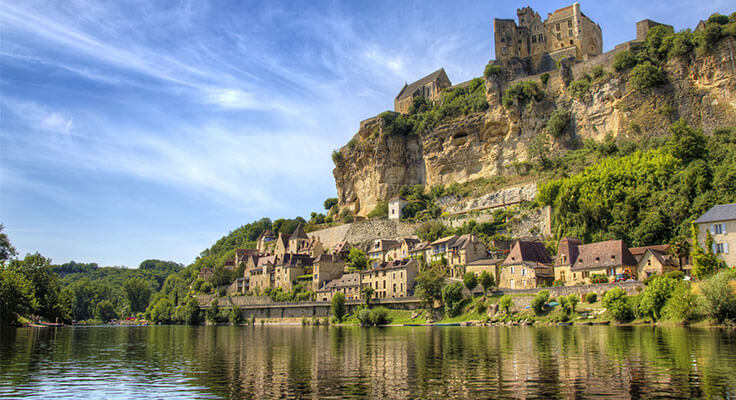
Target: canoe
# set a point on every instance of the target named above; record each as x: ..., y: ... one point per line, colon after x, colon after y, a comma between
x: 448, y: 324
x: 564, y: 324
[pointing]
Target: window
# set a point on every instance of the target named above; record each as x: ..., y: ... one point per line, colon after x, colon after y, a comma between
x: 559, y: 36
x: 719, y: 248
x: 569, y: 33
x: 562, y: 276
x: 569, y: 24
x: 558, y: 27
x: 541, y: 37
x: 523, y: 272
x: 718, y: 229
x: 512, y: 270
x: 534, y: 39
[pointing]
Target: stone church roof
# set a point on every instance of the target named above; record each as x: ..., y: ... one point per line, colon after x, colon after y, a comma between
x: 408, y: 90
x: 298, y: 233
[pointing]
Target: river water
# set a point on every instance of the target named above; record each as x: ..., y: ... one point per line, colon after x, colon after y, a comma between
x: 338, y: 362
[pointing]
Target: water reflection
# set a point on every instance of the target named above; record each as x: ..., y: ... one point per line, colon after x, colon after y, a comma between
x: 411, y: 362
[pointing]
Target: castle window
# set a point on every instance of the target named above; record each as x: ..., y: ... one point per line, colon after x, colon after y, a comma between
x: 569, y: 33
x: 570, y: 41
x: 559, y: 36
x: 569, y: 24
x: 534, y: 39
x: 558, y: 27
x: 541, y: 37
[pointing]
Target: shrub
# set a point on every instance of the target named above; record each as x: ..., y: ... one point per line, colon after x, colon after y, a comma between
x: 470, y: 281
x: 521, y: 93
x: 558, y: 122
x: 624, y: 60
x: 236, y: 316
x: 568, y: 303
x: 719, y: 296
x: 493, y: 71
x: 544, y: 78
x: 598, y: 72
x: 599, y: 278
x: 579, y: 88
x: 506, y: 302
x: 337, y: 306
x: 539, y: 300
x: 486, y: 281
x: 655, y: 296
x: 480, y: 308
x: 645, y: 76
x: 364, y: 316
x: 375, y: 317
x: 682, y: 305
x: 452, y: 296
x: 591, y: 298
x: 615, y: 301
x: 336, y: 157
x: 380, y: 211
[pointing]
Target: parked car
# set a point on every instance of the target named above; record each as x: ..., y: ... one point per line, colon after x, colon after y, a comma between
x: 621, y: 277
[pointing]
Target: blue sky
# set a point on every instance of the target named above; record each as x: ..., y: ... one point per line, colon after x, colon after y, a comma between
x: 149, y: 129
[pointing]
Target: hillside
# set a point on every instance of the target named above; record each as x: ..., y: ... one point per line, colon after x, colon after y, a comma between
x: 506, y: 129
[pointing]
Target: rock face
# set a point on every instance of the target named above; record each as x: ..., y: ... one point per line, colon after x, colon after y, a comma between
x: 374, y: 166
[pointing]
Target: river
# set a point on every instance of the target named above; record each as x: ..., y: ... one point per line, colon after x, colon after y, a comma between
x: 338, y: 362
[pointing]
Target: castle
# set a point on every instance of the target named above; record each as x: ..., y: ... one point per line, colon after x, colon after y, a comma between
x: 567, y: 32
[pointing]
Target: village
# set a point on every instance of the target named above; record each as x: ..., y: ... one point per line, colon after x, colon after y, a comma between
x: 280, y: 262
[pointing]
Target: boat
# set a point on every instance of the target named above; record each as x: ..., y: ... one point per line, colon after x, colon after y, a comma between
x: 564, y: 324
x: 42, y: 324
x: 448, y: 324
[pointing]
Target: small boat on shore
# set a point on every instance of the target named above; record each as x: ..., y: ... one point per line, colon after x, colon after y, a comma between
x: 564, y: 324
x: 42, y: 324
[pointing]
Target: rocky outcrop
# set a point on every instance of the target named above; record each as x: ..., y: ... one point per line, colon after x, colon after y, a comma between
x: 374, y: 166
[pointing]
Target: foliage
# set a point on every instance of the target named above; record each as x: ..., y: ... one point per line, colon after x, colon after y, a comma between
x: 105, y: 311
x: 470, y: 280
x: 337, y: 157
x: 568, y: 303
x: 522, y: 92
x: 337, y: 306
x: 330, y: 202
x: 705, y: 262
x: 17, y: 297
x: 617, y: 304
x: 686, y: 143
x: 452, y: 297
x: 544, y: 78
x: 214, y: 314
x: 591, y: 298
x: 682, y: 304
x: 374, y: 317
x: 539, y: 300
x: 599, y: 278
x: 51, y: 302
x: 558, y: 122
x: 380, y: 211
x: 6, y: 248
x: 236, y: 315
x: 431, y: 231
x: 655, y: 296
x: 162, y: 311
x: 138, y: 292
x: 190, y: 313
x: 357, y: 260
x: 645, y: 76
x: 506, y: 302
x: 579, y: 88
x: 367, y: 293
x: 624, y: 60
x: 486, y: 281
x: 429, y: 284
x: 493, y: 71
x: 719, y: 296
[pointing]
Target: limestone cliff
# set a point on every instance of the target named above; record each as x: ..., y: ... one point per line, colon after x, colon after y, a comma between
x: 374, y: 165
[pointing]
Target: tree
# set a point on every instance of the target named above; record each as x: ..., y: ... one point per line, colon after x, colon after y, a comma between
x: 452, y: 297
x: 367, y: 293
x: 686, y: 143
x: 574, y: 300
x: 615, y: 301
x: 655, y: 296
x: 705, y: 261
x: 486, y: 281
x: 6, y: 249
x: 138, y: 292
x: 470, y: 281
x: 16, y: 296
x: 105, y: 311
x: 506, y: 302
x: 357, y: 260
x: 337, y: 306
x: 47, y: 291
x: 191, y: 312
x: 213, y: 313
x: 236, y: 315
x: 539, y: 300
x: 682, y: 305
x: 719, y: 296
x: 429, y: 285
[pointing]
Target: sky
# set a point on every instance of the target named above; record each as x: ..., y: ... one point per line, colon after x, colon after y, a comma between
x: 132, y: 130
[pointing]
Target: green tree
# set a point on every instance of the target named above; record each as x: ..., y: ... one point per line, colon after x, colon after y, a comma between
x: 539, y: 300
x: 682, y: 305
x: 470, y: 281
x: 357, y: 260
x: 16, y: 296
x: 616, y: 303
x: 486, y: 281
x: 213, y: 313
x: 367, y: 293
x: 6, y: 249
x: 138, y: 292
x: 429, y: 285
x: 655, y: 296
x: 573, y: 299
x: 686, y: 143
x: 506, y: 302
x: 705, y: 261
x: 645, y: 76
x: 236, y: 315
x: 719, y: 296
x: 105, y: 311
x: 337, y: 306
x: 46, y: 287
x: 191, y: 312
x: 452, y: 297
x: 162, y: 311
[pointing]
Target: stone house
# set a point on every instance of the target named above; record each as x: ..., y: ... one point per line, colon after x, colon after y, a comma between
x: 391, y: 279
x: 607, y: 258
x: 326, y: 268
x: 720, y: 222
x: 567, y: 32
x: 265, y: 241
x: 348, y: 285
x: 282, y: 244
x: 430, y: 87
x: 289, y: 268
x: 205, y: 273
x: 567, y: 253
x: 528, y: 265
x: 422, y: 249
x: 457, y: 251
x: 238, y: 287
x: 379, y: 250
x: 490, y: 265
x: 260, y: 278
x: 405, y: 247
x: 395, y: 206
x: 638, y: 252
x: 655, y: 262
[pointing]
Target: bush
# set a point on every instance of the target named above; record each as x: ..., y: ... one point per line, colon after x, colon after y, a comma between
x: 337, y: 306
x: 521, y: 93
x: 544, y: 78
x: 645, y: 76
x: 624, y: 60
x: 336, y: 157
x: 236, y: 315
x: 506, y: 302
x: 599, y: 278
x: 486, y: 281
x: 568, y: 303
x: 375, y: 317
x: 380, y: 211
x: 470, y: 281
x: 615, y: 301
x: 655, y: 296
x: 591, y: 298
x: 452, y: 297
x: 719, y: 296
x: 579, y: 88
x: 598, y: 72
x: 493, y: 71
x: 558, y: 122
x: 682, y: 305
x: 539, y: 300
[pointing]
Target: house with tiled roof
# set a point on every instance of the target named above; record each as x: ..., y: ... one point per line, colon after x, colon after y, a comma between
x: 430, y: 87
x: 720, y: 222
x: 528, y: 265
x: 379, y: 250
x: 603, y: 258
x: 326, y: 268
x: 347, y: 284
x: 656, y: 262
x: 391, y: 279
x: 567, y: 253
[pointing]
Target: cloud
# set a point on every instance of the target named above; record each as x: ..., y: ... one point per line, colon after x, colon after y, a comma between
x: 40, y: 117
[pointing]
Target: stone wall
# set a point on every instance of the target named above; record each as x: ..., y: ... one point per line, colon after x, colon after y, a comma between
x: 523, y: 297
x: 500, y: 198
x: 330, y: 237
x: 367, y: 231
